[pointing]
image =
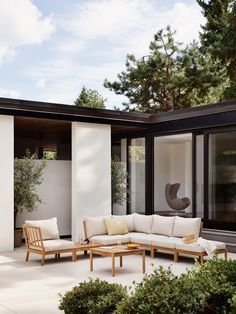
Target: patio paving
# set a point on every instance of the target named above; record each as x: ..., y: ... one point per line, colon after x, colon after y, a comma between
x: 30, y: 288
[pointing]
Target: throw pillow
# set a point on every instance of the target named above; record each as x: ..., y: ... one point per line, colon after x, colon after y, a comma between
x: 116, y: 225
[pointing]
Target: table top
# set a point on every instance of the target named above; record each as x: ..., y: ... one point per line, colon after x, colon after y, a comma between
x: 86, y: 246
x: 116, y: 249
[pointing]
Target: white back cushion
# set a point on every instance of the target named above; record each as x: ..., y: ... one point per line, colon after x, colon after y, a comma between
x: 95, y: 226
x: 129, y: 219
x: 143, y: 223
x: 183, y: 226
x: 163, y: 225
x: 48, y: 227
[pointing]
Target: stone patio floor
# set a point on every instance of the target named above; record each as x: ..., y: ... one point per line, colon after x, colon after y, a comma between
x: 29, y: 288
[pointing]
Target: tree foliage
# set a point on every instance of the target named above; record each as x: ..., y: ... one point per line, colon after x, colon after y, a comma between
x: 169, y: 77
x: 27, y: 176
x: 118, y: 181
x: 218, y: 37
x: 90, y: 98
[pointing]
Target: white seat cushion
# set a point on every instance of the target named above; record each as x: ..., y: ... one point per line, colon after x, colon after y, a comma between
x: 196, y: 247
x: 164, y: 241
x: 183, y: 226
x: 138, y: 237
x: 54, y: 245
x: 190, y: 247
x: 219, y: 245
x: 143, y: 223
x: 95, y: 226
x: 48, y: 227
x: 163, y: 225
x: 107, y: 239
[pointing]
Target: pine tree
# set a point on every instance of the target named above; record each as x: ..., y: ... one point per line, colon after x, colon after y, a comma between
x: 90, y: 98
x: 169, y: 77
x: 218, y: 36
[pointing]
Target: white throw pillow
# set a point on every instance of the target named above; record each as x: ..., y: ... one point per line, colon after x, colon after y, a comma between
x: 95, y: 226
x: 143, y: 223
x: 163, y: 225
x: 183, y: 226
x: 48, y: 227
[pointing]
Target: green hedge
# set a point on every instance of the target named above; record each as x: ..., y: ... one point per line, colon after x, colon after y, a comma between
x: 207, y: 289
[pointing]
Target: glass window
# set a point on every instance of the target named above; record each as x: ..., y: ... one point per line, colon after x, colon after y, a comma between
x: 200, y: 176
x: 172, y: 164
x: 137, y: 175
x: 222, y: 176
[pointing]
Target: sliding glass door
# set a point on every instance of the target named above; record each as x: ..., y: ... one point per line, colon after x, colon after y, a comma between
x: 222, y: 177
x: 137, y: 175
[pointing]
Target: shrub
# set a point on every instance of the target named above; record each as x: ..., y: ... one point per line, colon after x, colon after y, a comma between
x: 233, y: 305
x: 204, y: 289
x: 93, y: 297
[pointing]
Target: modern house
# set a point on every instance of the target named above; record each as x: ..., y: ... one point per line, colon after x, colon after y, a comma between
x: 195, y: 147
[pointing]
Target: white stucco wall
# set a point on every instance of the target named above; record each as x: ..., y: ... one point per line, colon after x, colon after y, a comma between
x: 6, y: 183
x: 91, y: 173
x: 55, y: 192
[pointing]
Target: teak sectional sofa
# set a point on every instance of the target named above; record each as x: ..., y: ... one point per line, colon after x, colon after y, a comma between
x: 154, y: 232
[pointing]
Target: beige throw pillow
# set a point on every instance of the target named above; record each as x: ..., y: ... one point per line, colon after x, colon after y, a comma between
x: 116, y: 225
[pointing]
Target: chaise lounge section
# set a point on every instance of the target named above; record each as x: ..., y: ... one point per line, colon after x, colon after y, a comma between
x: 153, y: 232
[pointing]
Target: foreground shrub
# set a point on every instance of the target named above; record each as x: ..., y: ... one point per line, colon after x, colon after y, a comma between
x: 207, y: 289
x: 92, y: 297
x: 233, y: 304
x: 204, y: 289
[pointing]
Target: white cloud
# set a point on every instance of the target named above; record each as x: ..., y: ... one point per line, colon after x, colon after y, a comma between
x: 99, y: 34
x: 11, y: 93
x: 21, y: 23
x: 41, y: 83
x: 130, y: 25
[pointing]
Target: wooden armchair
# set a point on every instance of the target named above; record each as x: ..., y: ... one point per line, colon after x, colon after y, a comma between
x: 35, y: 244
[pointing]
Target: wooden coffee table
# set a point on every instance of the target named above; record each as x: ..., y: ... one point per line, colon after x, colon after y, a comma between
x: 85, y: 247
x: 113, y: 252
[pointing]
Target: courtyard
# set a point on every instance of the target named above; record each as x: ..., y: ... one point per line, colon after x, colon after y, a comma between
x: 30, y: 288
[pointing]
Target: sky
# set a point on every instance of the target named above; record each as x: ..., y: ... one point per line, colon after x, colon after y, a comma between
x: 50, y: 49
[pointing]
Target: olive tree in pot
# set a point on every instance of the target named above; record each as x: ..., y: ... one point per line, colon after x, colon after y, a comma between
x: 119, y: 178
x: 27, y: 176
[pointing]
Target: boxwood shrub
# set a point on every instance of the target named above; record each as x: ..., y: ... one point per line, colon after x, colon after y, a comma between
x: 204, y: 289
x: 93, y: 297
x: 207, y: 289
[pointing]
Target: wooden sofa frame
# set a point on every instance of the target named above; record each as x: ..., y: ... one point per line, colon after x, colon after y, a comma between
x: 176, y: 252
x: 34, y: 244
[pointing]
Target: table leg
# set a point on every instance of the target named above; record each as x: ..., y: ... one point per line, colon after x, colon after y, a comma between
x: 121, y: 261
x: 144, y: 266
x: 113, y: 265
x: 91, y: 261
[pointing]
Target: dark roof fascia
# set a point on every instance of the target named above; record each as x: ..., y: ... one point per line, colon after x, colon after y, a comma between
x: 198, y: 111
x: 18, y: 107
x: 30, y: 108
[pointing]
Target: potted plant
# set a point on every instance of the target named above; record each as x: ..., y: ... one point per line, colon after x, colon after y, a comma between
x: 27, y: 176
x: 118, y: 182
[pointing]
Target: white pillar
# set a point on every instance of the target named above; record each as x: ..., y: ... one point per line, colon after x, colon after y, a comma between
x: 91, y: 173
x: 6, y: 183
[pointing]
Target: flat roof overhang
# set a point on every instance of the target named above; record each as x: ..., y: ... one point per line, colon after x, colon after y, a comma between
x: 194, y: 118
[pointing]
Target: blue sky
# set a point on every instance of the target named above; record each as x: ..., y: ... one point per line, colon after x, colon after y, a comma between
x: 50, y: 49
